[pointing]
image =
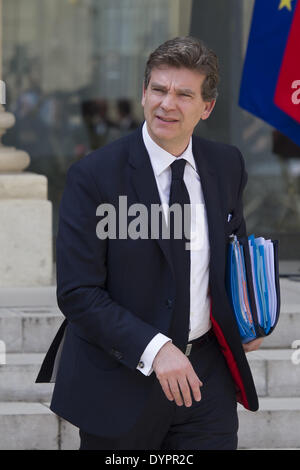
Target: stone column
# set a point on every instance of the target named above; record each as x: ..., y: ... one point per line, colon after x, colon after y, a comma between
x: 25, y: 212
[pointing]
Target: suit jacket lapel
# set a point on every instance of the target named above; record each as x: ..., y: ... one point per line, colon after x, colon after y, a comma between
x: 144, y: 182
x: 211, y: 195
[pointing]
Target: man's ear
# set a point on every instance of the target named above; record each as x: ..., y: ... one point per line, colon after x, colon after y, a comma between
x: 143, y: 95
x: 209, y: 106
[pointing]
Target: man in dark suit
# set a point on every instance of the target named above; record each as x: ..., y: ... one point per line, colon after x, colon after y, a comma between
x: 149, y: 356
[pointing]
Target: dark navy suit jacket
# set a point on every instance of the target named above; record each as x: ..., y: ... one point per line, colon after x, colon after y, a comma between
x: 117, y: 294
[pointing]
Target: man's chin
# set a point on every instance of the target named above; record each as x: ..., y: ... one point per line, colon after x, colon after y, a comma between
x: 164, y: 134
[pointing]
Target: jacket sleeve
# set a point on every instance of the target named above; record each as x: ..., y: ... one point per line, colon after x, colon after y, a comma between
x: 82, y: 271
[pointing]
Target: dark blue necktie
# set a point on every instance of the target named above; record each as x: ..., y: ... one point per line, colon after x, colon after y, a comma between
x: 179, y: 329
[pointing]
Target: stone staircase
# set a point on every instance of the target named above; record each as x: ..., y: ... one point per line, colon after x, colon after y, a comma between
x: 29, y: 319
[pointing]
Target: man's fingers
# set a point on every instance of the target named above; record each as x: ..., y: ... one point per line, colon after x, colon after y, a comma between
x: 166, y: 389
x: 185, y: 391
x: 182, y: 389
x: 173, y: 384
x: 195, y: 384
x: 253, y: 345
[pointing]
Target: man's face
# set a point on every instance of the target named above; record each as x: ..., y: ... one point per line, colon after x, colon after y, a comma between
x: 173, y: 106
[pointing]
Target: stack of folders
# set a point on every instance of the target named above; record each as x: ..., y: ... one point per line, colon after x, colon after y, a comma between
x: 252, y: 283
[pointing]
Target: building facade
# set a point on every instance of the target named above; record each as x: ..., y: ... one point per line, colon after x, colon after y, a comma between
x: 74, y: 69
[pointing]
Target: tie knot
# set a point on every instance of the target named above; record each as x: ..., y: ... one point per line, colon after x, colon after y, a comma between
x: 177, y: 168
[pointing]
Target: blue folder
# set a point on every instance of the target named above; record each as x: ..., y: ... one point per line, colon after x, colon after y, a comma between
x: 252, y: 284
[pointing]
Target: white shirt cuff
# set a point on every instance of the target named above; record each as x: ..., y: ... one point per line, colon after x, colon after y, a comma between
x: 147, y: 358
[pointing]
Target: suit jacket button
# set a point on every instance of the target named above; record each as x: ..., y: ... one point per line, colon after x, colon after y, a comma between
x: 169, y: 303
x: 141, y: 364
x: 116, y: 353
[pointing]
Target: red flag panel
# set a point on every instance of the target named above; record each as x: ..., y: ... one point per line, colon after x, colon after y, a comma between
x: 287, y: 94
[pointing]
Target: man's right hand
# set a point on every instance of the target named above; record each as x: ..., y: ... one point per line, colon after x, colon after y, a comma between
x: 176, y: 375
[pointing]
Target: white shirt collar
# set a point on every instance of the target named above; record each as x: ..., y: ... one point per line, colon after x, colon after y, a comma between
x: 160, y: 158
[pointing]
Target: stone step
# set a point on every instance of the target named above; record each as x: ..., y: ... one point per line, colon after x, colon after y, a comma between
x: 17, y: 378
x: 26, y: 426
x: 32, y: 329
x: 30, y: 317
x: 43, y: 296
x: 287, y: 329
x: 29, y: 329
x: 275, y: 425
x: 32, y: 426
x: 275, y: 373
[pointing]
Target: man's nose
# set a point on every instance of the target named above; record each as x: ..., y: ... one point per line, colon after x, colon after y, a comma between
x: 168, y: 103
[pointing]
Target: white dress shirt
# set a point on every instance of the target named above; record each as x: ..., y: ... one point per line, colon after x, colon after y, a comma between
x: 199, y: 249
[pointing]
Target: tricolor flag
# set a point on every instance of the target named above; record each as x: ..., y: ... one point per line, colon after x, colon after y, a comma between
x: 270, y: 86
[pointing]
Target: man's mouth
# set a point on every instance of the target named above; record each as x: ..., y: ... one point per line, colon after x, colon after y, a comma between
x: 166, y: 119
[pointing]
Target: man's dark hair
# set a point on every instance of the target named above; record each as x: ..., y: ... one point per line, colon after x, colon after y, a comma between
x: 191, y: 53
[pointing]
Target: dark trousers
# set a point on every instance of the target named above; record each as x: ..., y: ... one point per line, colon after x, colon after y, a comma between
x: 210, y: 424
